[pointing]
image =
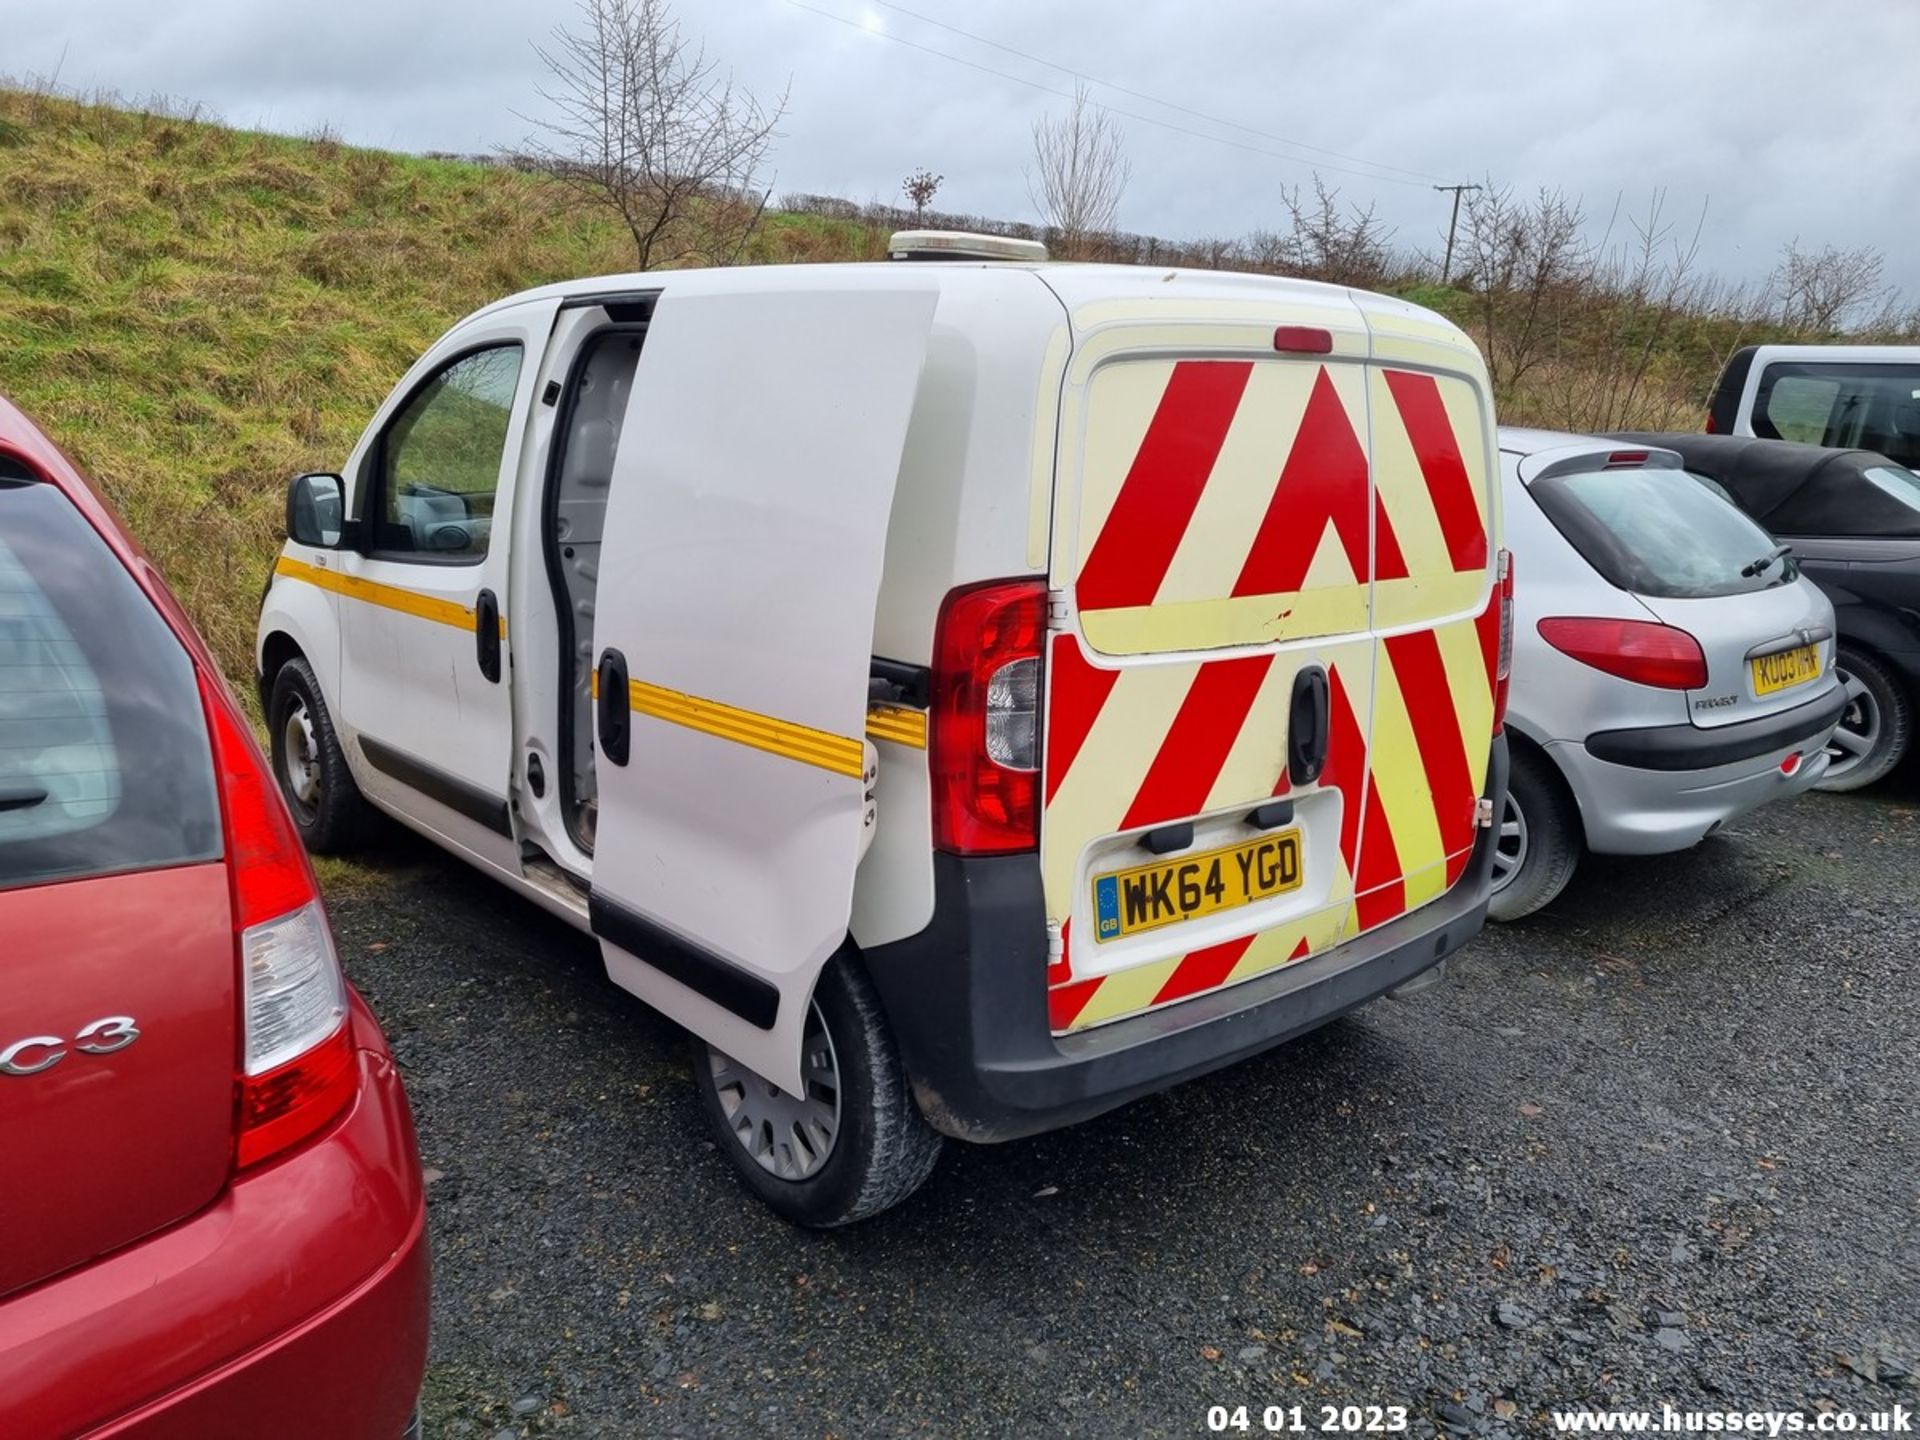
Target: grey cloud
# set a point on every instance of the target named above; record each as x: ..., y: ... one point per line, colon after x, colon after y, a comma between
x: 1795, y: 119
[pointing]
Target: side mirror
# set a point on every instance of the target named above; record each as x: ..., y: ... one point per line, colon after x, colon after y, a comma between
x: 316, y: 510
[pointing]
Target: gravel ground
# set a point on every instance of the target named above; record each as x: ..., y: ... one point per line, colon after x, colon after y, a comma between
x: 1661, y: 1143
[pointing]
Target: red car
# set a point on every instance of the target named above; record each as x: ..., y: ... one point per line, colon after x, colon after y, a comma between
x: 211, y: 1212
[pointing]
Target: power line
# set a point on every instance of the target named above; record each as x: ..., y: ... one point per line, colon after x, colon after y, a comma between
x: 1066, y: 95
x: 1079, y: 74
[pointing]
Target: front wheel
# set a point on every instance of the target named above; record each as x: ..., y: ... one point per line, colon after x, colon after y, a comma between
x: 854, y: 1144
x: 1538, y: 844
x: 328, y: 808
x: 1873, y: 731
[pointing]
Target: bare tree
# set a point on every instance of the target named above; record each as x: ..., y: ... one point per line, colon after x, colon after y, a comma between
x: 1324, y: 241
x: 1078, y: 173
x: 1521, y: 259
x: 1821, y: 290
x: 1609, y: 339
x: 647, y: 126
x: 919, y: 187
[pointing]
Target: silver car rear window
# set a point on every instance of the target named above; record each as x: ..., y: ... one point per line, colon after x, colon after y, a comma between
x: 1662, y: 533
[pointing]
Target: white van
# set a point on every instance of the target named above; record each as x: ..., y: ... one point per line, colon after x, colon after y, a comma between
x: 966, y: 696
x: 1854, y: 397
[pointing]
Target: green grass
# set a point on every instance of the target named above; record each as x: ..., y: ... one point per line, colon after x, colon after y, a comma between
x: 196, y: 313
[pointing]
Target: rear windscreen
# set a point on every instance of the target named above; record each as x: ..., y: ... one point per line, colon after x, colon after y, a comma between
x: 1661, y: 533
x: 1849, y: 406
x: 104, y: 758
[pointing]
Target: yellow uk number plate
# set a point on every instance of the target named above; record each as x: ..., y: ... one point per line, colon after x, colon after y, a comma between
x: 1148, y: 896
x: 1785, y: 669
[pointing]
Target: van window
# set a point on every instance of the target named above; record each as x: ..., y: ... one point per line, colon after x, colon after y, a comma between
x: 440, y: 459
x: 104, y: 759
x: 1661, y: 533
x: 1856, y: 406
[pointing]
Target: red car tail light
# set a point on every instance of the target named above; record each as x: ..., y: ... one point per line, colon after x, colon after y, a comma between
x: 984, y: 732
x: 1503, y: 670
x: 1638, y: 650
x: 297, y: 1070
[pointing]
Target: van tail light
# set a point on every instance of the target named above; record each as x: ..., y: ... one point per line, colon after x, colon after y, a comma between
x: 984, y: 731
x: 1637, y: 650
x: 1503, y: 668
x: 1712, y: 426
x: 298, y: 1069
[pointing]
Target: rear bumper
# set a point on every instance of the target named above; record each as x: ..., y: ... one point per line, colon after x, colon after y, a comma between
x: 1642, y: 810
x: 967, y: 1000
x: 1694, y: 747
x: 295, y: 1306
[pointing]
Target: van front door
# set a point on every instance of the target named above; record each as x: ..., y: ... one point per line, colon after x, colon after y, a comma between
x: 740, y: 568
x: 425, y: 677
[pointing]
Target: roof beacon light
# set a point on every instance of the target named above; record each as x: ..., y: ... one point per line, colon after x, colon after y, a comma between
x: 962, y: 245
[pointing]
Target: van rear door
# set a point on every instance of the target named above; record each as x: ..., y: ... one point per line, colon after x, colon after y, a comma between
x: 740, y: 569
x: 1436, y: 608
x: 1244, y: 765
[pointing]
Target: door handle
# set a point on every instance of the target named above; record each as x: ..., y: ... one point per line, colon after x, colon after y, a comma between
x: 486, y: 634
x: 1309, y: 726
x: 612, y: 708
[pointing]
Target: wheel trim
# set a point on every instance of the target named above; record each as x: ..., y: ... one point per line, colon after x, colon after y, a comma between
x: 789, y: 1137
x: 1510, y: 844
x: 1858, y: 734
x: 300, y: 758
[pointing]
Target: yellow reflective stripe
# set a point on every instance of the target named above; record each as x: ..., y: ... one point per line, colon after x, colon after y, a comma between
x: 898, y: 724
x: 842, y: 754
x: 388, y: 597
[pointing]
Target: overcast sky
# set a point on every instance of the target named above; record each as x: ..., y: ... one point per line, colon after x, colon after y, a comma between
x: 1789, y: 118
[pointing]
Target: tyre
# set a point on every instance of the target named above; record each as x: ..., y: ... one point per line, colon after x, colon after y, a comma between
x: 1539, y: 841
x: 855, y: 1145
x: 1875, y: 727
x: 328, y: 808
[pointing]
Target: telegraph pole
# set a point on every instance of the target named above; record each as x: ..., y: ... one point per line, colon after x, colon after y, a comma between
x: 1446, y: 266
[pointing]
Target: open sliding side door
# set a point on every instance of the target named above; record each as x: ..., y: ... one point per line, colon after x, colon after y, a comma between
x: 742, y: 556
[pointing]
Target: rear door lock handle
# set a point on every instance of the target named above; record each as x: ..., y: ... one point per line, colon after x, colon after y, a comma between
x: 1309, y: 727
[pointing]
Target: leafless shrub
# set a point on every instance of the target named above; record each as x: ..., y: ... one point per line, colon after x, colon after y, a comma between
x: 648, y: 127
x: 1822, y: 290
x: 1518, y: 257
x: 1325, y: 241
x: 1617, y: 324
x: 1078, y: 173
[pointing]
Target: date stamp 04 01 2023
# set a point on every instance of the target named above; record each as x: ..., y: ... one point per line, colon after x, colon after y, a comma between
x: 1307, y: 1419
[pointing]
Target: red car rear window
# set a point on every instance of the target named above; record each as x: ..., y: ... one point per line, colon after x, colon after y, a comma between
x: 105, y: 763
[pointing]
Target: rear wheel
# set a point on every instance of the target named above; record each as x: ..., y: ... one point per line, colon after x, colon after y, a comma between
x: 854, y: 1144
x: 328, y: 808
x: 1874, y: 729
x: 1538, y: 843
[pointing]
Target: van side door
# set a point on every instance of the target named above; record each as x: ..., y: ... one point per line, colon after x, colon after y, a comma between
x: 740, y: 567
x: 425, y: 664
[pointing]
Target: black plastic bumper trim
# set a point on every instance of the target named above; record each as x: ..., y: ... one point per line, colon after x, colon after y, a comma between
x: 451, y: 791
x: 967, y: 1001
x: 724, y: 983
x: 1689, y: 747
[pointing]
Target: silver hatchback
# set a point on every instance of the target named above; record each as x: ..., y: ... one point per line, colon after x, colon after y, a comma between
x: 1671, y: 667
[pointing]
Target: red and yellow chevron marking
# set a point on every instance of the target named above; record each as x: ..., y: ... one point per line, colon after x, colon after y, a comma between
x: 1226, y: 503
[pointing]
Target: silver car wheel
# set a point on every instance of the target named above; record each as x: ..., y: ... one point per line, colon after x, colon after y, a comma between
x: 787, y: 1137
x: 300, y: 757
x: 1510, y: 845
x: 1859, y: 730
